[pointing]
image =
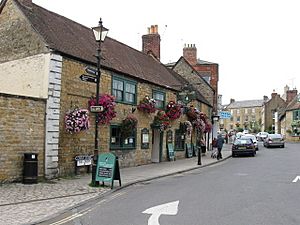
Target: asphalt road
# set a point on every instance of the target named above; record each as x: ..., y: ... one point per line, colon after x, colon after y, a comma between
x: 239, y: 191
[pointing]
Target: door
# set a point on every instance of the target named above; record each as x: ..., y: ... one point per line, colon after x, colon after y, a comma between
x: 156, y: 146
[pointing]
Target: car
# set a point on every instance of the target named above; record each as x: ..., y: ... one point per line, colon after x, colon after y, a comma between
x: 261, y: 136
x: 274, y: 140
x: 253, y: 138
x: 243, y: 147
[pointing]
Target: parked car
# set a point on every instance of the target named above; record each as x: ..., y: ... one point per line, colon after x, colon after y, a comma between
x: 261, y: 136
x: 243, y: 147
x: 274, y: 140
x: 253, y: 138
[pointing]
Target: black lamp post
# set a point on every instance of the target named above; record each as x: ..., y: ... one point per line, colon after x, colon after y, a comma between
x: 100, y: 33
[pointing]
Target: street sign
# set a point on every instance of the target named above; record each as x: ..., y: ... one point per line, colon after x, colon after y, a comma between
x: 96, y: 108
x: 88, y: 78
x: 225, y: 115
x: 91, y: 71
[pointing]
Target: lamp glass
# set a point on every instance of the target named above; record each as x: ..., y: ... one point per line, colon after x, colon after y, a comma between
x: 100, y: 33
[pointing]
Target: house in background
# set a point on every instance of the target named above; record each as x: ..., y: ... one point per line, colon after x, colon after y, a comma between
x: 245, y: 115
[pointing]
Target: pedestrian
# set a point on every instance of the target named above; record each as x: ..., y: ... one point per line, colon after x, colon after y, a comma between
x: 220, y: 142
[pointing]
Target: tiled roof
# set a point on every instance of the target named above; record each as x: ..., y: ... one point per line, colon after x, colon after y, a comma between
x: 75, y: 40
x: 294, y: 104
x: 245, y: 104
x: 199, y: 61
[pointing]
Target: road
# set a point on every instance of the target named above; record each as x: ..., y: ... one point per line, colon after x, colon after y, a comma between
x: 239, y: 191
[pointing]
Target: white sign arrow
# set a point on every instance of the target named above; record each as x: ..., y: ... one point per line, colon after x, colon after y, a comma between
x: 170, y: 208
x: 296, y: 179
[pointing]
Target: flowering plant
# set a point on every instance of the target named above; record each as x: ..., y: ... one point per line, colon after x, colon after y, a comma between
x: 108, y: 103
x: 128, y: 125
x: 161, y: 120
x: 77, y: 120
x: 173, y: 110
x: 147, y: 105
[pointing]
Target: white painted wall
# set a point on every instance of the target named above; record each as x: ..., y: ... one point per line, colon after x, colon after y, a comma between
x: 26, y: 77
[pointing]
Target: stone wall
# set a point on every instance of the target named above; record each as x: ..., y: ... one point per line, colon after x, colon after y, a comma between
x: 22, y: 131
x: 187, y: 72
x: 17, y: 37
x: 76, y: 93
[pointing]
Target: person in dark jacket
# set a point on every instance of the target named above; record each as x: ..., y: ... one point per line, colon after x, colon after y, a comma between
x: 220, y: 142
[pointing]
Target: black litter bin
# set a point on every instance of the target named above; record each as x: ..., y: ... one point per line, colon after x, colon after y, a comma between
x: 30, y: 168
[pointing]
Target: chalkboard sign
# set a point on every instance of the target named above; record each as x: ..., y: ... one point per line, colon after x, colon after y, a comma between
x: 108, y: 169
x: 189, y: 151
x: 171, y: 153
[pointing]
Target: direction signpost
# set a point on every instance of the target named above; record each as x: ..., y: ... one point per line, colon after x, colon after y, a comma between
x: 88, y: 78
x: 96, y: 108
x: 91, y: 71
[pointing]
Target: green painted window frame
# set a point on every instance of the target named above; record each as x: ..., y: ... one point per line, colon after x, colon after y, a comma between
x: 154, y: 93
x: 119, y: 141
x: 296, y: 114
x: 122, y: 93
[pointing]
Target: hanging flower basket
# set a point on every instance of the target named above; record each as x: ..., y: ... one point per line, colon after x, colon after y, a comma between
x: 108, y: 103
x: 173, y: 110
x: 161, y: 121
x: 147, y: 105
x: 77, y: 120
x: 128, y: 125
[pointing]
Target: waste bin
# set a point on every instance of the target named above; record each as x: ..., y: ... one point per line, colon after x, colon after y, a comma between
x: 30, y: 168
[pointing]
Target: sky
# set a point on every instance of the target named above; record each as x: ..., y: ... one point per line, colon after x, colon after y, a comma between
x: 255, y: 42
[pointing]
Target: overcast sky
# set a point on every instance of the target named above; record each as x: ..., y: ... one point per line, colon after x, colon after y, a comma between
x: 255, y: 42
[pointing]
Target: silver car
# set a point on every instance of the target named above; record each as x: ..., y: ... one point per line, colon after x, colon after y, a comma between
x: 253, y: 138
x: 274, y: 140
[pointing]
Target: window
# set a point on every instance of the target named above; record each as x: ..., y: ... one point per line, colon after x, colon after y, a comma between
x: 238, y: 119
x: 179, y: 139
x: 124, y: 90
x: 118, y: 142
x: 296, y: 114
x: 159, y: 97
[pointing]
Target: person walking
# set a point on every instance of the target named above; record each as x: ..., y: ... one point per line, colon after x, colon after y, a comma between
x: 220, y: 142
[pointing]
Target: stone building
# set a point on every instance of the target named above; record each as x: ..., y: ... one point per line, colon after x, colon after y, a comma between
x: 271, y: 110
x: 290, y: 118
x: 245, y: 114
x: 42, y: 56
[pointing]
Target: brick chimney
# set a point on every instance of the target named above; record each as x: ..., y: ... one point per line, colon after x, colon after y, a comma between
x: 151, y: 42
x: 290, y: 95
x: 232, y: 100
x: 265, y: 98
x: 190, y: 53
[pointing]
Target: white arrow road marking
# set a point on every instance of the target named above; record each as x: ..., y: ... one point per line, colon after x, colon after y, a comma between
x: 170, y: 208
x: 296, y: 179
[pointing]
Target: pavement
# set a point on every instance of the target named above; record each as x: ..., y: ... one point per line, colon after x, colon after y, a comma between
x: 34, y: 203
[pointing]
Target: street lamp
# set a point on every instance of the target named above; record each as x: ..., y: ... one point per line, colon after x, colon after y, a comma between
x: 100, y: 33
